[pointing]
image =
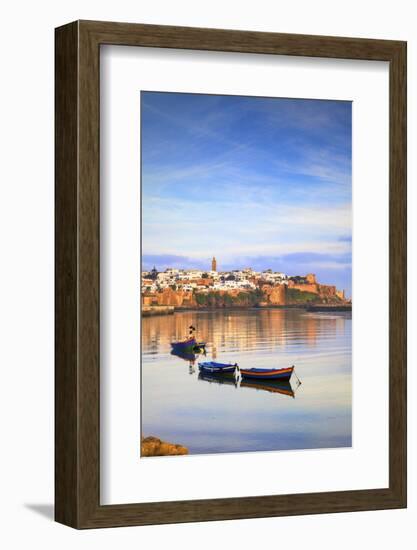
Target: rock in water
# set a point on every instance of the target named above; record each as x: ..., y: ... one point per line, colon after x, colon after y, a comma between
x: 152, y: 446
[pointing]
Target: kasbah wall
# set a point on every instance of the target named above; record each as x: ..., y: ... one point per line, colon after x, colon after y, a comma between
x: 274, y: 295
x: 169, y: 297
x: 323, y: 291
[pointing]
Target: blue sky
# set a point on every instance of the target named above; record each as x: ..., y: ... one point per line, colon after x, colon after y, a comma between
x: 257, y: 182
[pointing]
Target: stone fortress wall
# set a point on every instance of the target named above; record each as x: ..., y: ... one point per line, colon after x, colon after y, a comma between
x: 273, y: 295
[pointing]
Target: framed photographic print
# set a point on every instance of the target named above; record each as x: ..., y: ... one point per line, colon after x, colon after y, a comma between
x: 230, y: 274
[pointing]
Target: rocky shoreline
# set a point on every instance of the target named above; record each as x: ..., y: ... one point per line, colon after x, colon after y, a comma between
x: 329, y: 307
x: 150, y: 311
x: 308, y: 307
x: 153, y: 446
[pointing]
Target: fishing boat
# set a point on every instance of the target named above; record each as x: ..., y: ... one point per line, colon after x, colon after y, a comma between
x: 188, y: 354
x: 211, y: 367
x: 267, y: 374
x: 188, y: 344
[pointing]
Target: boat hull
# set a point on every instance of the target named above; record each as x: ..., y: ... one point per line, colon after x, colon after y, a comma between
x: 226, y: 371
x: 217, y: 368
x: 185, y: 345
x: 267, y: 374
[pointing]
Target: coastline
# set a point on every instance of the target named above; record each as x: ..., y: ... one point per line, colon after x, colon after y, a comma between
x: 329, y: 307
x: 151, y: 311
x: 170, y: 310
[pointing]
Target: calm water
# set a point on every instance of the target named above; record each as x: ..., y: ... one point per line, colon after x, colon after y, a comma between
x: 210, y: 417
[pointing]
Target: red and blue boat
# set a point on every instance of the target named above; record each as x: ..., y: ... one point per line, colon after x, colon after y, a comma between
x: 267, y: 374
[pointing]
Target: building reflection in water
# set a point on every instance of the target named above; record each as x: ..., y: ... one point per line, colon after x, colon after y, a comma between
x: 239, y: 330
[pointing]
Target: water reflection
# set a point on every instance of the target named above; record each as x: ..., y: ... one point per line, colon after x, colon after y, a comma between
x: 218, y: 379
x: 281, y: 388
x: 234, y: 330
x: 179, y: 405
x: 187, y: 355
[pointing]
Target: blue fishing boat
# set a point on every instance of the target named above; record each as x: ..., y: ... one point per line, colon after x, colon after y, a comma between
x: 211, y: 367
x: 267, y: 374
x: 188, y: 344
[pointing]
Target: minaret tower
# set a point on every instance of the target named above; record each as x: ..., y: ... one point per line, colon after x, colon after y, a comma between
x: 214, y: 264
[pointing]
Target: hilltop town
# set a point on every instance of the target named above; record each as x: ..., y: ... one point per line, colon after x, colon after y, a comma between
x: 194, y: 288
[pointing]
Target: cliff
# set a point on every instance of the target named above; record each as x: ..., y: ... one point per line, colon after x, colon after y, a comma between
x: 229, y: 298
x: 211, y: 299
x: 316, y: 291
x: 274, y: 295
x: 266, y: 295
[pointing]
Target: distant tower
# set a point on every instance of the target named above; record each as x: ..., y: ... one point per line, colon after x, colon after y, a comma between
x: 213, y: 264
x: 311, y: 278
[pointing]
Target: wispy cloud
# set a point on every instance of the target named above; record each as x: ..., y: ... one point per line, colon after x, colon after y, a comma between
x: 246, y: 178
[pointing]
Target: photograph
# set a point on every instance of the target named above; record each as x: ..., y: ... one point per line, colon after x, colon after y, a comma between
x: 246, y: 274
x: 207, y: 244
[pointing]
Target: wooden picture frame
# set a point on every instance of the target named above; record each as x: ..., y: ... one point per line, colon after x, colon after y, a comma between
x: 77, y: 405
